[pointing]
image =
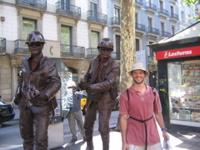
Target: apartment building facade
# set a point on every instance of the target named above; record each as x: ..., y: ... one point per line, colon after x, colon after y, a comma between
x: 72, y: 29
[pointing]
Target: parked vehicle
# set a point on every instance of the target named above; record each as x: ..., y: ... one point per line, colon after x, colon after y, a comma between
x: 6, y: 111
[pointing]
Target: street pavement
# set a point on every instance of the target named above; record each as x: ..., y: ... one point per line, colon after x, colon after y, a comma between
x: 181, y: 138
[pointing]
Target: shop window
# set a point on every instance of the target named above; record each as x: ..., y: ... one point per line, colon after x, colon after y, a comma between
x: 28, y: 25
x: 184, y: 87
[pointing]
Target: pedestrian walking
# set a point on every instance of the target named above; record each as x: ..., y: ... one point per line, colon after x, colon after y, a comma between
x: 38, y: 84
x: 99, y: 83
x: 140, y: 108
x: 74, y: 116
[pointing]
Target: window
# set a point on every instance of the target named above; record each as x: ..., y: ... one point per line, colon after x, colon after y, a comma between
x: 184, y: 88
x: 137, y: 42
x: 150, y: 2
x: 161, y: 5
x: 94, y: 9
x: 150, y: 23
x: 117, y: 13
x: 65, y: 4
x: 162, y: 25
x: 173, y: 29
x: 66, y: 38
x: 150, y: 50
x: 183, y: 16
x: 66, y: 34
x: 136, y: 17
x: 28, y: 25
x: 95, y: 36
x: 172, y: 10
x: 117, y: 43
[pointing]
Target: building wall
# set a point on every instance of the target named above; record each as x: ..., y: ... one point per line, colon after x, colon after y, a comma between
x: 49, y: 23
x: 49, y: 26
x: 82, y: 34
x: 9, y: 27
x: 5, y: 77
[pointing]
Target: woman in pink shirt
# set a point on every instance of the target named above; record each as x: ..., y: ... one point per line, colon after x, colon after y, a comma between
x: 140, y: 107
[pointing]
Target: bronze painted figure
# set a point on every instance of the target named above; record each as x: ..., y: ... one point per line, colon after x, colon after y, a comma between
x: 38, y: 84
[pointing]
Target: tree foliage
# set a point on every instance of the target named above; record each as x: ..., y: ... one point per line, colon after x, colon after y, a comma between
x: 190, y: 2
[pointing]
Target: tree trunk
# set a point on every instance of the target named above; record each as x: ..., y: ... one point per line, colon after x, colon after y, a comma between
x: 127, y: 42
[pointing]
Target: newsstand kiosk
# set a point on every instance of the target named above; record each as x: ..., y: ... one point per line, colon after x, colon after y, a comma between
x: 178, y: 66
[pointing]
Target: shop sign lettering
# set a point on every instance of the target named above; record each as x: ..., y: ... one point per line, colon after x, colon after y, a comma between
x: 178, y: 53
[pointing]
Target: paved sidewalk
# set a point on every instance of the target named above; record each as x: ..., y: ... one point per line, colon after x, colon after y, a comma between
x: 185, y: 138
x: 181, y: 138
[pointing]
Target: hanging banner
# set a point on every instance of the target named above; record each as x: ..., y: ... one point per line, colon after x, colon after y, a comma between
x: 178, y: 53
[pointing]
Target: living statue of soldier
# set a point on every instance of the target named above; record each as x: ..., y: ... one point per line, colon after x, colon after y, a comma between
x: 99, y: 83
x: 38, y: 84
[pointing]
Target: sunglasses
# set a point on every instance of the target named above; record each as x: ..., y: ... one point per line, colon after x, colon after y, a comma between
x: 36, y: 44
x: 105, y: 49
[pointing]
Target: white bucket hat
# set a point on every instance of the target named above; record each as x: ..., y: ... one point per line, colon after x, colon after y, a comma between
x: 138, y: 66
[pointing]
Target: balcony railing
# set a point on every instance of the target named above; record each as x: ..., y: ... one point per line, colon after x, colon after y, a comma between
x: 151, y: 7
x: 116, y: 21
x: 34, y: 4
x: 68, y: 10
x: 164, y: 12
x: 97, y: 17
x: 165, y: 34
x: 72, y: 51
x: 139, y: 2
x: 140, y: 27
x: 2, y: 45
x: 21, y: 47
x: 174, y: 16
x: 92, y: 52
x: 152, y: 30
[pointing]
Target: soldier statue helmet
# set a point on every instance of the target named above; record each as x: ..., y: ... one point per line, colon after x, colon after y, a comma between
x: 105, y: 43
x: 35, y: 37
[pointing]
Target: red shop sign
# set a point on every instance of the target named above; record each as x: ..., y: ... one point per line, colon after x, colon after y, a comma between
x: 178, y: 53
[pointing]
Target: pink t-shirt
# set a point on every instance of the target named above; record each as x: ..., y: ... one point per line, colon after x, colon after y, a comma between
x: 140, y: 106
